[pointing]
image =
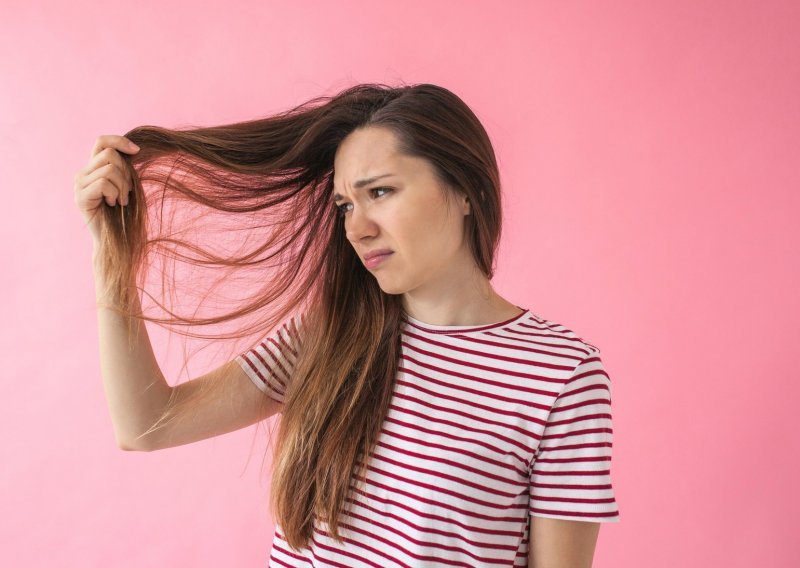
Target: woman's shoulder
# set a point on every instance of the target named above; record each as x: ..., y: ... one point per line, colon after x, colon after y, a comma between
x: 562, y: 332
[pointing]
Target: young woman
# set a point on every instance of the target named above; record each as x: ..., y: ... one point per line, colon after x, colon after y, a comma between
x: 486, y: 427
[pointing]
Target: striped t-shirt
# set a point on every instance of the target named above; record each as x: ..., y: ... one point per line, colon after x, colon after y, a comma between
x: 487, y: 426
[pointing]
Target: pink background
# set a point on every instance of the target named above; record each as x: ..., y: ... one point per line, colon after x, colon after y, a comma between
x: 648, y: 152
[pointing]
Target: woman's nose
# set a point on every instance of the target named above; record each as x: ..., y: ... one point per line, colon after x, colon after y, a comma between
x: 359, y: 225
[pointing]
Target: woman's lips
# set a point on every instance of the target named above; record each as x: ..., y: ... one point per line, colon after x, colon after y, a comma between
x: 376, y: 260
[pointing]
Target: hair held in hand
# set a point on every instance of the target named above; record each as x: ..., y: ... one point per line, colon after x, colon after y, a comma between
x: 276, y: 174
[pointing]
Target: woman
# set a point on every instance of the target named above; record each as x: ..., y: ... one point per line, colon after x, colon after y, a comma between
x: 487, y: 427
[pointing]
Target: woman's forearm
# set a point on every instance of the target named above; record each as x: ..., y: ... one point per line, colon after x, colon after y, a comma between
x: 135, y: 387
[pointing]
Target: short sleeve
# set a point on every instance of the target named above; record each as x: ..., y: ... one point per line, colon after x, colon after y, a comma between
x: 570, y: 475
x: 270, y: 363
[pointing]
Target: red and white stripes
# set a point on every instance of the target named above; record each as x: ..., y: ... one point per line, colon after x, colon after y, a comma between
x: 488, y: 425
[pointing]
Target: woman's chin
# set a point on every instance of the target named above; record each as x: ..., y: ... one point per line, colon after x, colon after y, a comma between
x: 390, y: 287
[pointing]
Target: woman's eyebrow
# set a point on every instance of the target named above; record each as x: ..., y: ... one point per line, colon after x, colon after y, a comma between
x: 362, y: 183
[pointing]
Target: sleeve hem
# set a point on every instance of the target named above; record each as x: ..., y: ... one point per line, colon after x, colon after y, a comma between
x: 576, y: 517
x: 253, y: 377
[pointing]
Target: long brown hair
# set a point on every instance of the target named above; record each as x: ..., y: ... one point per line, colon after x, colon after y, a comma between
x: 279, y: 170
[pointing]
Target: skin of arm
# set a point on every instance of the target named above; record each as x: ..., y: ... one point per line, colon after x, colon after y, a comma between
x: 561, y: 543
x: 135, y: 387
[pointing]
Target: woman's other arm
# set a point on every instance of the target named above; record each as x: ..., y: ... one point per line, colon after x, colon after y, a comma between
x: 561, y: 543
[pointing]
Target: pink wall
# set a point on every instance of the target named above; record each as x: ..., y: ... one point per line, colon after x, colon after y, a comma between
x: 649, y: 161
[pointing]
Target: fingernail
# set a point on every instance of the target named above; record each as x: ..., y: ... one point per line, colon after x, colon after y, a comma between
x: 134, y: 146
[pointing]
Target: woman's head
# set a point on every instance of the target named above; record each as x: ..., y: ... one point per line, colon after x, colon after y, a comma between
x: 440, y: 214
x: 404, y: 207
x: 445, y: 199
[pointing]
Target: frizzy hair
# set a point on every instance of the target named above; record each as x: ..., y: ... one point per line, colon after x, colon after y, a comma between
x: 279, y: 170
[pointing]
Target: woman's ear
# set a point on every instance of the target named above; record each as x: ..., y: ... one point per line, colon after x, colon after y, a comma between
x: 465, y: 206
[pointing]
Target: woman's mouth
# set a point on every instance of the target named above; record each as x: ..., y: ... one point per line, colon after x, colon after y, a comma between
x: 376, y: 260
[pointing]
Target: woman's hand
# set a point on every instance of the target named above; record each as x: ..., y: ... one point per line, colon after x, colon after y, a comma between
x: 105, y: 177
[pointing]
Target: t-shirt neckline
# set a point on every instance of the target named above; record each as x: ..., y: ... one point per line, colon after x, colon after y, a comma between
x: 461, y: 328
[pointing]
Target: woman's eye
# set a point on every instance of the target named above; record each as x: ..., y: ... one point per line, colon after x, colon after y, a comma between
x: 342, y: 209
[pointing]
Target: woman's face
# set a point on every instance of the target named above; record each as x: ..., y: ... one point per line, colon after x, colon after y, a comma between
x: 404, y: 212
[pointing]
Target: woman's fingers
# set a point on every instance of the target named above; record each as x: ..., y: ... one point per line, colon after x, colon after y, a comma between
x: 115, y: 142
x: 117, y: 185
x: 106, y: 178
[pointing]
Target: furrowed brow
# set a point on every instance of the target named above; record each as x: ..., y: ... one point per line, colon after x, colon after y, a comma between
x: 361, y: 183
